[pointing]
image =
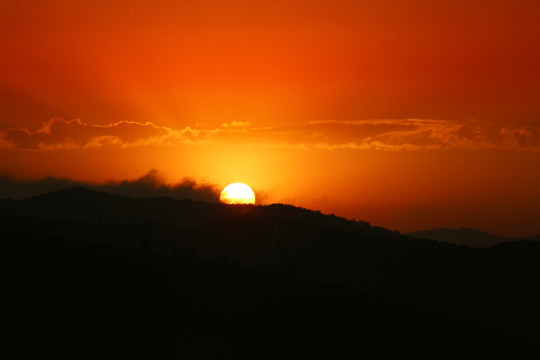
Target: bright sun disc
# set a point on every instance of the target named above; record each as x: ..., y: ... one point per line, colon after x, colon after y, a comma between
x: 237, y: 193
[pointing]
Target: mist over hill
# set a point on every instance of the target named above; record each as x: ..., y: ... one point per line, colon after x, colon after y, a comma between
x: 193, y: 270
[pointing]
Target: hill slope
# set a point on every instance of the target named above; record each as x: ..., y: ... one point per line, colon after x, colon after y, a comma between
x: 489, y: 288
x: 80, y: 300
x: 466, y: 236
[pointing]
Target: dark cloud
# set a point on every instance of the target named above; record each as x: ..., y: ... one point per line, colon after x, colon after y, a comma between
x: 152, y: 185
x: 149, y: 185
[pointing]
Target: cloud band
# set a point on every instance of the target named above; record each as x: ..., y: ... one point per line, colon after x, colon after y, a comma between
x: 385, y: 135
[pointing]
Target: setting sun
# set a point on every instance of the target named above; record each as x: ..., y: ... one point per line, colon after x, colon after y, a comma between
x: 237, y: 193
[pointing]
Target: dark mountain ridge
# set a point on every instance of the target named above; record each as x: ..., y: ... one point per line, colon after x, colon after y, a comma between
x: 276, y: 237
x: 490, y: 289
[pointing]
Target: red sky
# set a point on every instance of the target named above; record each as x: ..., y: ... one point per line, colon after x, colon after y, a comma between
x: 407, y: 114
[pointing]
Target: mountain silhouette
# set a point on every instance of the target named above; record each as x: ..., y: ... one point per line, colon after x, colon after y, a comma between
x: 275, y: 237
x: 158, y: 277
x: 467, y: 236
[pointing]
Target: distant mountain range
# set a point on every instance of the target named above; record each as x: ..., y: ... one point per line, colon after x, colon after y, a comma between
x: 467, y: 236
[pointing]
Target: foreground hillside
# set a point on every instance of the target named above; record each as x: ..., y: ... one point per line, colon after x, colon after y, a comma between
x: 168, y: 274
x: 78, y: 300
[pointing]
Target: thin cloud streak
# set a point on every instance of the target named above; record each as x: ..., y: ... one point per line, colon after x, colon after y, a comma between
x: 329, y: 135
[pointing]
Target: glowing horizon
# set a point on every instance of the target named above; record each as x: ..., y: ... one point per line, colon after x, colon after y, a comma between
x: 407, y: 115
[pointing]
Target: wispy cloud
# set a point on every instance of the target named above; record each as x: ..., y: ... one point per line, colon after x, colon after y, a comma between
x: 236, y: 124
x: 384, y: 134
x: 59, y: 134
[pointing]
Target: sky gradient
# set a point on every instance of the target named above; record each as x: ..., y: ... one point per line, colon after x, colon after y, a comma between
x: 407, y: 114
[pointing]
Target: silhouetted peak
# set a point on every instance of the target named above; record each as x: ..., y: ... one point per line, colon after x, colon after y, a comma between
x: 77, y: 191
x: 72, y: 201
x: 471, y: 230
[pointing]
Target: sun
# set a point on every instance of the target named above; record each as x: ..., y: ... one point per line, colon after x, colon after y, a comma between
x: 237, y: 193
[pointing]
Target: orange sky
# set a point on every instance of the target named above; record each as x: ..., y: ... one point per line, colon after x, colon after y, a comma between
x: 408, y: 114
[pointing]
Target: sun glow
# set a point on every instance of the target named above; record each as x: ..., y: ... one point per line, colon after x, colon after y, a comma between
x: 237, y: 193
